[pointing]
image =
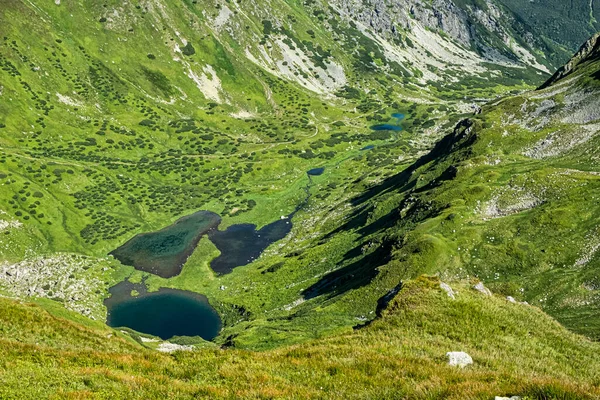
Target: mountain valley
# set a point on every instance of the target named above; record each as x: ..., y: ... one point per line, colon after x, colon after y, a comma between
x: 337, y: 194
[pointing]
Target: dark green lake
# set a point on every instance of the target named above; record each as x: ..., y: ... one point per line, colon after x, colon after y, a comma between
x: 165, y: 313
x: 241, y: 244
x: 164, y: 252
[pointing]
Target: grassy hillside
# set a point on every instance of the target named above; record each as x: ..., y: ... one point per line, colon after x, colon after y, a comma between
x: 510, y: 197
x: 119, y: 118
x: 138, y: 114
x: 567, y: 24
x: 517, y: 350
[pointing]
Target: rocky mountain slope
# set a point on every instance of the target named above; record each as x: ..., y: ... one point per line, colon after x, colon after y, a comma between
x: 540, y: 34
x: 509, y: 197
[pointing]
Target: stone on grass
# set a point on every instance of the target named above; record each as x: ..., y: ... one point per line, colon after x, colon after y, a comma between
x: 167, y: 347
x: 459, y: 359
x: 480, y: 287
x: 446, y: 288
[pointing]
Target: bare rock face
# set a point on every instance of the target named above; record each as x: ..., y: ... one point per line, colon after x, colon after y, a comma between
x: 589, y: 51
x: 468, y: 25
x: 446, y: 288
x: 386, y: 17
x: 459, y: 359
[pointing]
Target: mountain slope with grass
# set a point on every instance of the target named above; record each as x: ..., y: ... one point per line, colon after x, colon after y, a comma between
x: 509, y: 197
x: 440, y: 167
x: 120, y: 118
x: 402, y: 354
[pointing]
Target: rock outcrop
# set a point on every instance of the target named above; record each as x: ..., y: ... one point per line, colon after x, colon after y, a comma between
x: 588, y: 52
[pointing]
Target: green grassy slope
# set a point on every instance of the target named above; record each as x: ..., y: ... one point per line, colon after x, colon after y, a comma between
x: 566, y: 24
x: 517, y: 350
x: 117, y: 119
x: 510, y: 197
x: 136, y: 115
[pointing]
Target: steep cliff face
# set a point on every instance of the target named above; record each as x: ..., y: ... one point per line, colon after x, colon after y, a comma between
x: 495, y: 29
x: 589, y: 52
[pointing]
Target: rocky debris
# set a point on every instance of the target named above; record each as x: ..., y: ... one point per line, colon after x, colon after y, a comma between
x: 294, y: 304
x: 208, y: 82
x: 509, y: 201
x: 389, y: 19
x: 507, y: 398
x: 8, y: 223
x: 446, y: 288
x: 224, y: 14
x: 480, y: 287
x: 581, y: 107
x: 67, y: 278
x: 167, y: 347
x: 561, y: 141
x: 459, y: 359
x: 589, y: 252
x: 511, y: 299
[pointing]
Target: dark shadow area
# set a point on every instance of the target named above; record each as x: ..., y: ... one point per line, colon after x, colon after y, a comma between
x: 382, y: 303
x: 448, y: 175
x: 387, y: 221
x: 352, y: 276
x: 358, y: 220
x: 450, y: 143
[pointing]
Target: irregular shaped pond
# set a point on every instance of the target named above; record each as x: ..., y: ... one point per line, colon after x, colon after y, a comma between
x: 241, y: 244
x: 315, y: 171
x: 386, y: 127
x: 390, y: 127
x: 164, y: 252
x: 166, y: 313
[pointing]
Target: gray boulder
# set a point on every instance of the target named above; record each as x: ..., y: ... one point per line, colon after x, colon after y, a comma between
x: 459, y: 359
x: 446, y: 288
x: 480, y: 287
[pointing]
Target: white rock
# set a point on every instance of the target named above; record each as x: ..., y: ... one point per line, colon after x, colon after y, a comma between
x: 166, y: 347
x: 507, y: 398
x: 511, y: 299
x: 446, y: 288
x: 459, y: 359
x: 480, y: 287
